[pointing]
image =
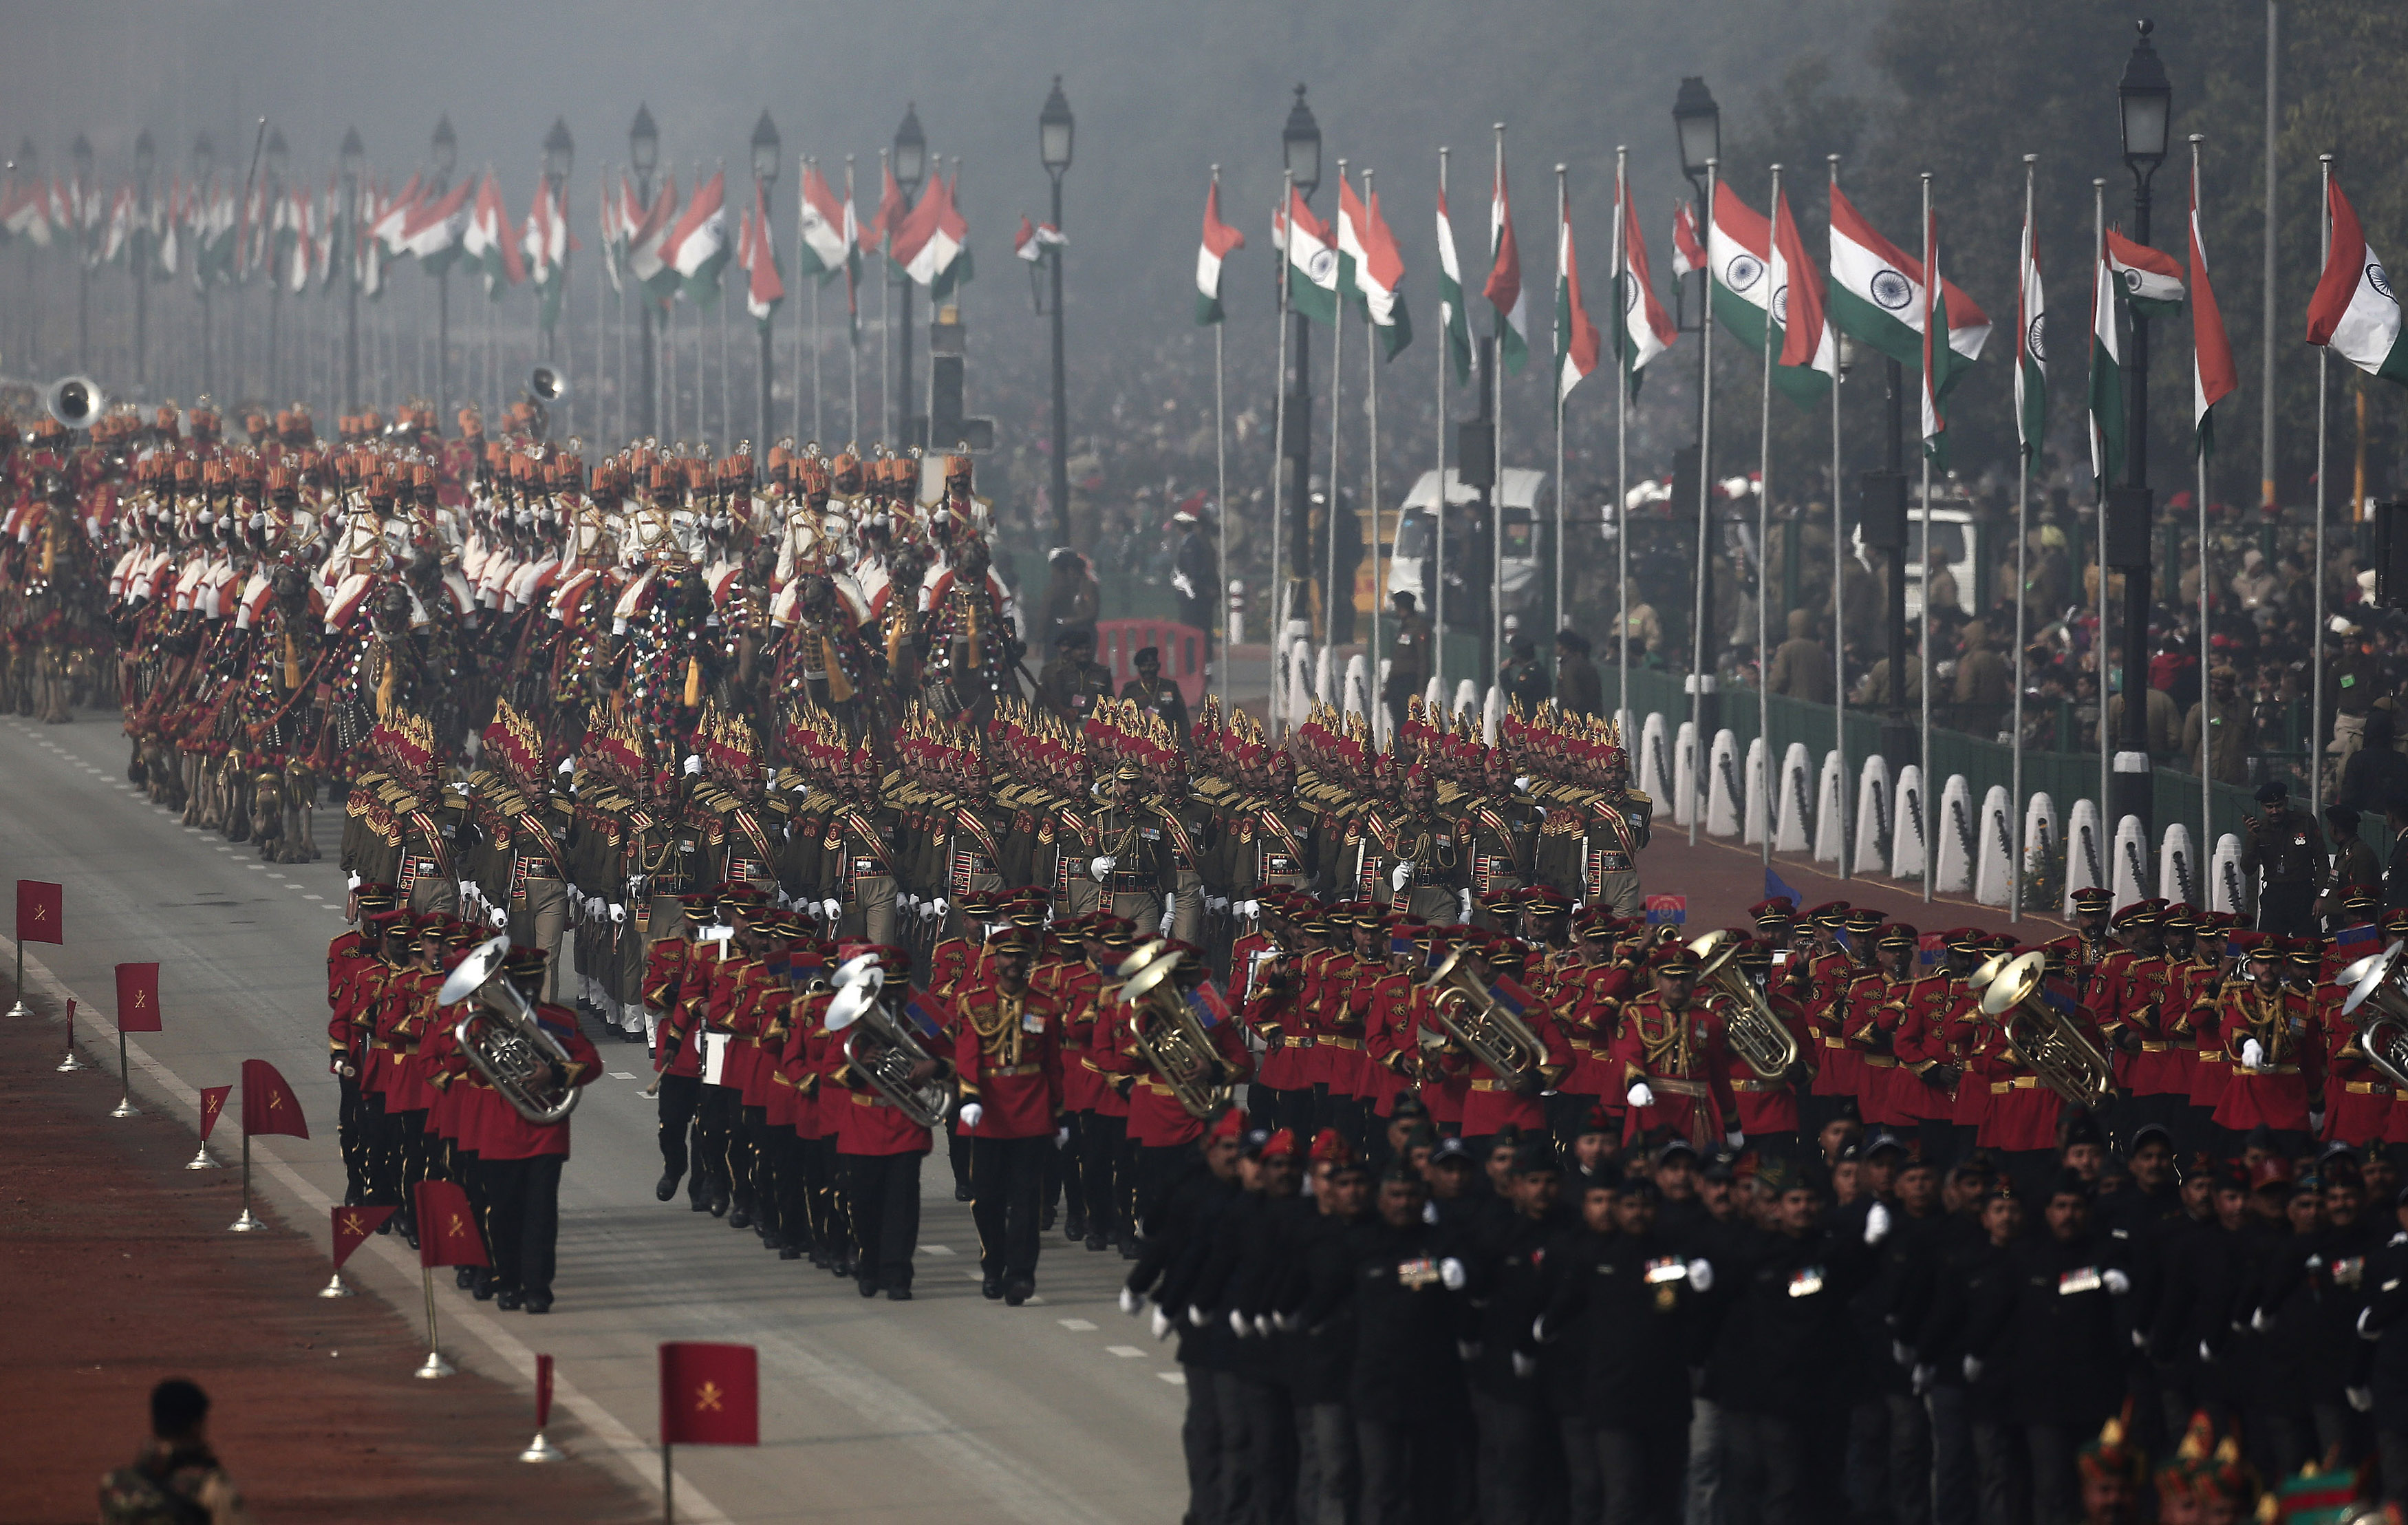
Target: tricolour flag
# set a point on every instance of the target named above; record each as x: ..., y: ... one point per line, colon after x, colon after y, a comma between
x: 432, y: 226
x: 1938, y: 368
x: 1220, y: 241
x: 696, y: 248
x: 1312, y: 261
x: 1642, y: 329
x: 1688, y: 254
x: 2031, y: 347
x: 2106, y: 370
x: 2153, y: 282
x: 932, y: 236
x: 2211, y: 374
x: 1877, y: 293
x: 1369, y: 269
x: 1504, y: 286
x: 892, y: 210
x: 1450, y: 296
x: 646, y: 238
x: 828, y: 228
x: 1748, y: 287
x: 547, y: 243
x: 1576, y: 337
x: 24, y: 213
x: 763, y: 289
x: 391, y: 223
x: 491, y: 242
x: 1808, y: 344
x: 2354, y: 313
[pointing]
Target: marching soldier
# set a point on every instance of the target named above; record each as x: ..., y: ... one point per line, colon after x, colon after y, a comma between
x: 520, y: 1160
x: 1136, y: 864
x: 1008, y: 1070
x: 1671, y: 1059
x: 2282, y: 863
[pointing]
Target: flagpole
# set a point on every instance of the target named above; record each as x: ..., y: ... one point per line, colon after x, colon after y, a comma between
x: 2099, y: 642
x: 1934, y: 301
x: 1436, y: 582
x: 885, y: 329
x: 245, y: 1223
x: 1337, y: 435
x: 851, y: 326
x: 1563, y: 217
x: 1373, y: 684
x: 2317, y: 630
x: 1278, y: 473
x: 2023, y: 571
x: 1838, y: 582
x: 125, y: 1107
x: 1698, y: 669
x: 1221, y: 493
x: 1764, y: 532
x: 1497, y: 444
x: 2203, y: 852
x: 1621, y: 309
x: 802, y: 205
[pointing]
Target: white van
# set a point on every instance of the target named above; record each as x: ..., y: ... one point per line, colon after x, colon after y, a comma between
x: 1955, y: 532
x: 1417, y: 529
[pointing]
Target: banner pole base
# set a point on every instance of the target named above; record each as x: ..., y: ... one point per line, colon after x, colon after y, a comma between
x: 125, y: 1107
x: 245, y: 1224
x: 540, y: 1450
x: 336, y: 1287
x: 434, y: 1366
x: 20, y: 1009
x: 204, y: 1161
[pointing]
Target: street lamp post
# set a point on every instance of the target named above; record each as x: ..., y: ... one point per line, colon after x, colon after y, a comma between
x: 910, y: 169
x: 644, y: 156
x: 559, y: 155
x: 275, y: 157
x: 764, y: 174
x: 205, y: 158
x: 1300, y: 150
x: 2145, y: 98
x: 445, y: 150
x: 81, y: 154
x: 1054, y: 134
x: 353, y: 160
x: 1698, y: 122
x: 146, y: 154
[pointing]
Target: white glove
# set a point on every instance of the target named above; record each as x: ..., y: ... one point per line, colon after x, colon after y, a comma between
x: 1062, y: 1136
x: 1900, y: 1352
x: 1524, y: 1366
x: 1264, y: 1323
x: 1876, y: 1224
x: 1161, y: 1325
x: 1099, y: 868
x: 927, y: 911
x: 2116, y: 1283
x: 1735, y: 1138
x: 2360, y: 1399
x: 1402, y: 875
x: 693, y: 765
x: 1467, y: 1349
x: 617, y: 915
x: 2253, y: 1054
x: 1702, y: 1277
x: 2316, y: 1120
x: 1973, y: 1367
x: 940, y: 905
x: 972, y: 1114
x: 1195, y: 1316
x: 2259, y: 1323
x: 1641, y: 1095
x: 2204, y: 1353
x: 1239, y: 1325
x: 1251, y: 908
x: 1463, y: 905
x: 1919, y: 1382
x: 1131, y: 1303
x: 569, y: 766
x: 1451, y: 1274
x: 2363, y: 1314
x: 356, y: 882
x: 500, y: 916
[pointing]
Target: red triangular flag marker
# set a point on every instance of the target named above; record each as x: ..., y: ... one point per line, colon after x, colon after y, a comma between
x: 268, y: 1104
x: 213, y: 1101
x: 353, y: 1225
x: 446, y: 1227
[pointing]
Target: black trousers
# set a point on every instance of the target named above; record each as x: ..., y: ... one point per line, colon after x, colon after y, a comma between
x: 2287, y: 909
x: 746, y: 1160
x: 1641, y: 1468
x: 1199, y: 1438
x: 1411, y: 1469
x: 1516, y: 1470
x: 1102, y: 1142
x: 524, y: 1210
x: 1067, y: 1180
x: 882, y: 1196
x: 1269, y: 1457
x: 680, y: 1099
x: 1782, y: 1471
x: 787, y: 1220
x: 351, y: 1127
x: 1155, y: 1169
x: 714, y: 1135
x: 831, y: 1228
x: 1010, y: 1176
x: 957, y: 1155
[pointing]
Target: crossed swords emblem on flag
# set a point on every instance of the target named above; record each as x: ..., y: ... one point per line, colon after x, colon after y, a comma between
x: 707, y: 1398
x: 351, y: 1224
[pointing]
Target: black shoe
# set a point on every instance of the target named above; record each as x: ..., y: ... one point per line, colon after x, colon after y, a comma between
x: 741, y: 1218
x: 1128, y: 1249
x: 386, y: 1226
x: 482, y: 1285
x: 788, y: 1252
x: 539, y: 1303
x: 668, y: 1186
x: 899, y: 1294
x: 1045, y: 1221
x: 867, y: 1285
x: 1018, y: 1293
x: 463, y: 1277
x: 699, y: 1202
x: 769, y: 1241
x: 962, y: 1193
x: 719, y: 1205
x: 1075, y: 1229
x: 509, y: 1302
x: 1097, y: 1241
x: 842, y: 1269
x: 992, y: 1288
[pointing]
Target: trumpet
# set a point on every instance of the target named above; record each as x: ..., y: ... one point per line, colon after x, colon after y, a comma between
x: 1756, y: 1034
x: 2048, y: 1043
x: 504, y: 1041
x: 1474, y: 1016
x: 858, y: 983
x: 1166, y: 1033
x: 2378, y: 1002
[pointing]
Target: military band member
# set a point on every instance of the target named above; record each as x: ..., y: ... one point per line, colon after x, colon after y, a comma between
x: 1673, y: 1057
x: 520, y: 1160
x: 676, y: 1062
x: 353, y: 964
x: 1007, y: 1071
x: 1136, y: 863
x: 880, y: 1148
x: 2275, y: 1037
x: 855, y: 890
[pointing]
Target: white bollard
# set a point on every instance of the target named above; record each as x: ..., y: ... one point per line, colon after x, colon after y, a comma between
x: 1684, y: 773
x: 1723, y: 787
x: 1299, y: 686
x: 2085, y: 852
x: 1492, y: 714
x: 1655, y: 763
x: 1467, y: 697
x: 2178, y: 881
x: 1325, y: 676
x: 2040, y: 837
x: 1993, y: 836
x: 1434, y: 698
x: 1952, y: 832
x: 1909, y: 833
x: 1358, y: 682
x: 1757, y: 817
x: 2228, y: 894
x: 1830, y: 800
x: 1792, y: 803
x: 1876, y: 803
x: 2131, y: 874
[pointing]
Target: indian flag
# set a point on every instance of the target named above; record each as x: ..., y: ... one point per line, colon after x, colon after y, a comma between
x: 2353, y: 312
x: 1450, y: 295
x: 1379, y: 273
x: 1312, y: 261
x: 646, y: 258
x: 1219, y: 241
x: 1576, y: 338
x: 491, y: 242
x: 2106, y: 372
x: 2212, y: 373
x: 1809, y: 349
x: 1642, y: 329
x: 763, y: 287
x: 2031, y: 347
x: 1504, y: 287
x: 1938, y: 369
x: 547, y: 245
x: 696, y: 250
x: 1749, y: 287
x: 2153, y: 282
x: 1688, y: 255
x: 431, y: 228
x: 1877, y: 293
x: 828, y: 228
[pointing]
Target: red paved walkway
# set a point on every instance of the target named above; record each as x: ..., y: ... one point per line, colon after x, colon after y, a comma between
x: 1722, y: 879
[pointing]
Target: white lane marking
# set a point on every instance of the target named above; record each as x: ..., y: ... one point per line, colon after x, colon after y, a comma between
x: 936, y: 1250
x: 618, y: 1075
x: 1177, y: 1379
x: 1125, y: 1352
x: 1077, y: 1326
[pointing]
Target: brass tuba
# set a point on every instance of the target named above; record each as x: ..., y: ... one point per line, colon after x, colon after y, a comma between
x: 1756, y: 1034
x: 2378, y: 1002
x: 1166, y: 1034
x: 2049, y: 1043
x: 858, y: 983
x: 502, y: 1037
x: 1468, y: 1007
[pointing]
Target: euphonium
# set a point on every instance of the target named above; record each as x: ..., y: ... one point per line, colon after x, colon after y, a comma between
x: 502, y: 1037
x: 2049, y: 1043
x: 2378, y: 1002
x: 1167, y: 1035
x: 858, y: 982
x: 1489, y: 1031
x: 1756, y: 1034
